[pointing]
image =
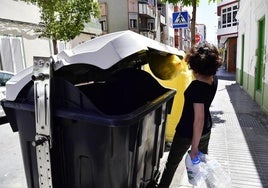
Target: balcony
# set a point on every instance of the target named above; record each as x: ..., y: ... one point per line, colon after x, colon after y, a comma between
x: 148, y: 34
x: 163, y: 20
x: 227, y: 28
x: 93, y: 28
x: 145, y: 10
x: 225, y: 33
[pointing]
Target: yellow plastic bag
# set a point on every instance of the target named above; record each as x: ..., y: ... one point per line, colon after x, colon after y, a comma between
x: 163, y: 67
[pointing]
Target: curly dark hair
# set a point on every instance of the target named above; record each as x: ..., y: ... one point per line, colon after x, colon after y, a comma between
x: 204, y: 59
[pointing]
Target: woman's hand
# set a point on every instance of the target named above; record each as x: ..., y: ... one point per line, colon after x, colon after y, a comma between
x: 194, y: 153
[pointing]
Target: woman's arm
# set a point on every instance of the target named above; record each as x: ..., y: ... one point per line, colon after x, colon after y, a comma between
x: 199, y: 118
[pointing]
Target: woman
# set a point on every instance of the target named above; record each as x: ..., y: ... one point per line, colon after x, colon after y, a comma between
x: 194, y: 128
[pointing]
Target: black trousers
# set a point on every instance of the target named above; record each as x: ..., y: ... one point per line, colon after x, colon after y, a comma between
x: 179, y: 147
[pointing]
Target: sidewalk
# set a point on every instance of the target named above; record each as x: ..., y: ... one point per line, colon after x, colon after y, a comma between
x: 239, y: 137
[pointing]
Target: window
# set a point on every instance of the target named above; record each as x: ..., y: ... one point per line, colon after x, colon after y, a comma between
x: 103, y: 25
x: 133, y: 20
x: 224, y: 19
x: 132, y: 24
x: 234, y: 18
x: 11, y: 53
x: 228, y: 16
x: 150, y: 24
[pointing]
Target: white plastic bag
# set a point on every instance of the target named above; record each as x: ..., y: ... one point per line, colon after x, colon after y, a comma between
x: 207, y: 173
x: 196, y: 172
x: 216, y: 176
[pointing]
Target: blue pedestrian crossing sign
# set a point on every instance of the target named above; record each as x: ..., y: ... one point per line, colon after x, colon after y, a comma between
x: 180, y: 19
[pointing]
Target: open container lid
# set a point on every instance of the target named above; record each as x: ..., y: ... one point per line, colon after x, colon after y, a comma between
x: 102, y: 52
x: 107, y: 50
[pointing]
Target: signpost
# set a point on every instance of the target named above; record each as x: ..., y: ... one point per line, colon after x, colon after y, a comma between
x: 197, y: 38
x: 180, y: 19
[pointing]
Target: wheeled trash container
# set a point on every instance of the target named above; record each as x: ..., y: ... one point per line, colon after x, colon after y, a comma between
x: 90, y: 116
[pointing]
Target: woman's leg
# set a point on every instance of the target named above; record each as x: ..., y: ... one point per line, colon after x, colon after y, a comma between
x: 178, y: 149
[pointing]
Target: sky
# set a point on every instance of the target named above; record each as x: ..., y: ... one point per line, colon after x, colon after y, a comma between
x: 207, y: 14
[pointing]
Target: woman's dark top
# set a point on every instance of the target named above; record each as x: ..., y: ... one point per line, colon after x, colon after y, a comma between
x: 197, y: 92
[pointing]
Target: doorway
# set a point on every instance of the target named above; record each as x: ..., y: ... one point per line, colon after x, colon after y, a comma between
x: 242, y: 60
x: 259, y: 73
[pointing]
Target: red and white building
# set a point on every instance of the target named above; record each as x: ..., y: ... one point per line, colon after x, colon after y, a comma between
x: 200, y: 33
x: 228, y: 31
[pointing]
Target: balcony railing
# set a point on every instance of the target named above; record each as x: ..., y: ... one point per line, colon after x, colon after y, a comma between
x: 147, y: 34
x: 162, y: 20
x: 146, y: 10
x: 93, y: 27
x: 227, y: 30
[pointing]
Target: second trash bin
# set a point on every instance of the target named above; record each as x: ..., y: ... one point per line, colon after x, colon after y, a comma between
x: 108, y: 117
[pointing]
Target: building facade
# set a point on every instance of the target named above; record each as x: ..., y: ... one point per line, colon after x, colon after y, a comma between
x: 200, y: 33
x: 18, y: 41
x: 252, y: 50
x: 150, y: 18
x: 227, y: 32
x: 168, y: 31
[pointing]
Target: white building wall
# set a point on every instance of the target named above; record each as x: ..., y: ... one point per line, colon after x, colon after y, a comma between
x: 249, y: 14
x: 37, y: 47
x: 18, y: 19
x: 223, y: 2
x: 244, y: 25
x: 261, y: 11
x: 169, y: 31
x: 19, y: 11
x: 201, y: 31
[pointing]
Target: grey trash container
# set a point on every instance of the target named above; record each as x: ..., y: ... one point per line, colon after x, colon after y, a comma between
x: 107, y: 123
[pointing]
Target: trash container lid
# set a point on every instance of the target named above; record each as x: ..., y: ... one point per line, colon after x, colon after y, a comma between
x: 109, y: 49
x: 103, y: 52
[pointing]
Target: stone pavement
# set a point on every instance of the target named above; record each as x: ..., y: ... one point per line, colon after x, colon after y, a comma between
x: 239, y: 139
